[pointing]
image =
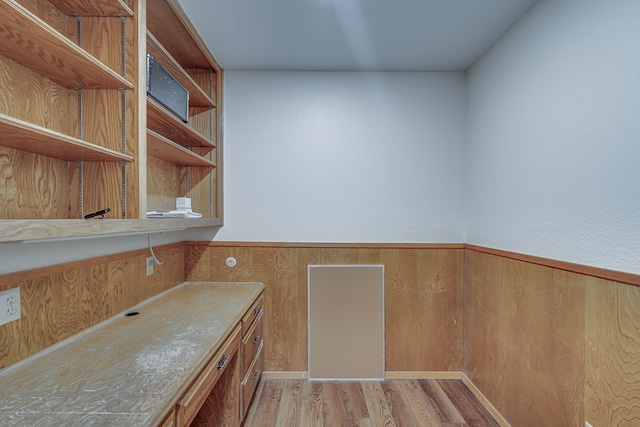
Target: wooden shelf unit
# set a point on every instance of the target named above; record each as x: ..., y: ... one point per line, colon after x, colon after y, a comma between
x: 68, y: 121
x: 183, y: 158
x: 80, y: 133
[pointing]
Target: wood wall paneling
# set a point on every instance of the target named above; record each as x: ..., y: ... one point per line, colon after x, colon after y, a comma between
x: 53, y: 16
x: 423, y: 301
x: 72, y: 298
x: 419, y: 337
x: 544, y: 345
x: 167, y: 181
x: 612, y: 383
x: 524, y: 345
x: 33, y: 186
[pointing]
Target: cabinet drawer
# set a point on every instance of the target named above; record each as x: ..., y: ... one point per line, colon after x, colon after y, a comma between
x: 250, y: 344
x: 251, y: 380
x: 193, y: 399
x: 252, y: 314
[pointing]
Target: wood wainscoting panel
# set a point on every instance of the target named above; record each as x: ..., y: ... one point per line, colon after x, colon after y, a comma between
x: 524, y: 345
x: 61, y: 301
x: 423, y: 293
x: 612, y: 388
x: 423, y: 309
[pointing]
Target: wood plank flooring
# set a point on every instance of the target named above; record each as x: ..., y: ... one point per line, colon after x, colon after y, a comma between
x: 412, y: 403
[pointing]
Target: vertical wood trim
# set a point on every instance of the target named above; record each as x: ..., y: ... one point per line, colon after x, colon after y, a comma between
x: 140, y: 92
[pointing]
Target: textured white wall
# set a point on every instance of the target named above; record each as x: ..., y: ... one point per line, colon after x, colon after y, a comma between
x: 344, y: 157
x: 554, y: 136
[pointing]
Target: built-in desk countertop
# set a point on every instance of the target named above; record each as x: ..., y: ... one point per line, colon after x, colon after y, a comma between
x: 127, y: 370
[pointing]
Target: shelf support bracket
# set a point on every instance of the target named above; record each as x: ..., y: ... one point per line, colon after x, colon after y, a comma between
x: 78, y: 29
x: 123, y: 44
x: 123, y: 164
x: 80, y: 163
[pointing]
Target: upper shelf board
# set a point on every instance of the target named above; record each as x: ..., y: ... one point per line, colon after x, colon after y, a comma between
x: 18, y: 230
x: 24, y: 136
x: 197, y: 96
x: 163, y: 148
x: 93, y: 7
x: 160, y: 120
x: 31, y: 42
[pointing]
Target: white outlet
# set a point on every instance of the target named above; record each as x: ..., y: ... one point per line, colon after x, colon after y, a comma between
x: 9, y: 305
x: 150, y: 265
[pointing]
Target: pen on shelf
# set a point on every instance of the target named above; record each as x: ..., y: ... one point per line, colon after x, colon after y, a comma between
x: 98, y: 214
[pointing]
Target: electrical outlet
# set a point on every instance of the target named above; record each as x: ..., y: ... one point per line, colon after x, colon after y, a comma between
x: 150, y: 264
x: 9, y: 305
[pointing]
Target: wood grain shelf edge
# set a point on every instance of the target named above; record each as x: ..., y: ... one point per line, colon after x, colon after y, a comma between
x: 24, y: 136
x: 20, y: 230
x: 93, y: 7
x: 163, y: 148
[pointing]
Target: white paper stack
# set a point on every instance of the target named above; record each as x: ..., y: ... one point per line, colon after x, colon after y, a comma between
x: 173, y: 214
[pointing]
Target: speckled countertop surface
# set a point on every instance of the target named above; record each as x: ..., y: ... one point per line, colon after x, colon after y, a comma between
x: 126, y: 370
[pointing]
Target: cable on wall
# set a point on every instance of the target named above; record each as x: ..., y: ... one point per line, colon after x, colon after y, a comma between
x: 155, y: 261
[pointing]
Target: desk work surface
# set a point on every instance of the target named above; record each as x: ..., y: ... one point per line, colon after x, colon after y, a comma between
x: 127, y: 370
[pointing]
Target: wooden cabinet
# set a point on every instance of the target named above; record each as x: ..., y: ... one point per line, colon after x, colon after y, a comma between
x: 199, y: 392
x: 78, y: 133
x: 183, y: 157
x: 251, y: 355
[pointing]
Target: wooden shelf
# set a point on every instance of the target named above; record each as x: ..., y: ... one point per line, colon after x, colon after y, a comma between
x: 93, y: 7
x: 25, y: 136
x: 165, y: 123
x: 197, y: 96
x: 37, y: 229
x: 31, y: 42
x: 169, y: 24
x: 163, y: 148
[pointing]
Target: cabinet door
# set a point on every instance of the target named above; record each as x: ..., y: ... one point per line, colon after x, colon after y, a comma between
x: 222, y: 406
x: 250, y: 343
x: 199, y: 392
x: 346, y: 322
x: 251, y: 380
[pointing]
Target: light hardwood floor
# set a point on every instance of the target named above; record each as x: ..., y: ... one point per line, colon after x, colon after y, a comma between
x: 413, y: 403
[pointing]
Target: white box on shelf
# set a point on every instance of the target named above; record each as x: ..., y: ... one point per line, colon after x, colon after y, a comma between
x: 183, y: 203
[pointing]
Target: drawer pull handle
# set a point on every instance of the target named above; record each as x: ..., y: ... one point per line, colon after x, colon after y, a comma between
x: 257, y: 339
x: 257, y: 311
x: 256, y: 375
x: 223, y: 362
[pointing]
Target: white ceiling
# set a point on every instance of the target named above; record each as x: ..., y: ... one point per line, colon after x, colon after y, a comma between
x: 363, y: 35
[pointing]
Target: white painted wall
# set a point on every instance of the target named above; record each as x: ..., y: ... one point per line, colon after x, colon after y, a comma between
x: 34, y: 254
x: 344, y: 157
x: 554, y: 136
